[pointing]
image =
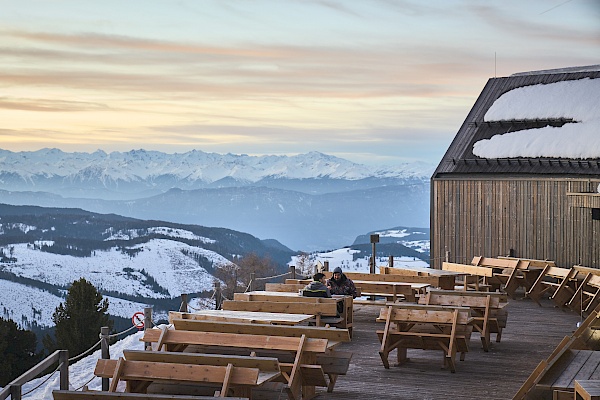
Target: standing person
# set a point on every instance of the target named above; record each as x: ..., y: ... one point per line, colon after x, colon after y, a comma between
x: 317, y: 287
x: 341, y: 284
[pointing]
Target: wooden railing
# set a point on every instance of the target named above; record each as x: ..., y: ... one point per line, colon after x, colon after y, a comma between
x: 13, y: 389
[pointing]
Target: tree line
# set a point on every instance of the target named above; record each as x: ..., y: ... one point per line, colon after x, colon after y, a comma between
x: 78, y: 321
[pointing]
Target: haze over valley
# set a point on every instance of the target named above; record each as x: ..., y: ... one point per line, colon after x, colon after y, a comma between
x: 307, y: 202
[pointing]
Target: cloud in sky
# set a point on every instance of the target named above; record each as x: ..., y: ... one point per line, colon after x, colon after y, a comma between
x: 384, y: 80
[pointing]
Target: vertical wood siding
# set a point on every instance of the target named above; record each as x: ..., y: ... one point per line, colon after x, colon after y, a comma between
x: 535, y: 218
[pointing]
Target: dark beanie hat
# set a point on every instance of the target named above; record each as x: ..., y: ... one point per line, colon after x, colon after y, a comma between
x: 337, y: 269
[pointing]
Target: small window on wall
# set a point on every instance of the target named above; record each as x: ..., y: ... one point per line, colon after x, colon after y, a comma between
x: 596, y: 214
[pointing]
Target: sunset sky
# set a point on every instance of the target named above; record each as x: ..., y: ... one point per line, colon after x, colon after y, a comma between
x: 376, y: 82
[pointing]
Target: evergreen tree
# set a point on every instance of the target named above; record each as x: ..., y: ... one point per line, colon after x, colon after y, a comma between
x: 79, y: 319
x: 17, y: 351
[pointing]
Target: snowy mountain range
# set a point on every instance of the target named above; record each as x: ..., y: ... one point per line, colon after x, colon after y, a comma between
x: 307, y: 202
x: 119, y: 175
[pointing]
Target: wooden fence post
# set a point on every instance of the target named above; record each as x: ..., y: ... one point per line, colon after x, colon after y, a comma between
x: 105, y: 353
x: 15, y: 392
x: 252, y: 278
x: 391, y: 261
x: 184, y: 303
x: 147, y: 324
x: 218, y: 296
x: 63, y: 358
x: 293, y: 271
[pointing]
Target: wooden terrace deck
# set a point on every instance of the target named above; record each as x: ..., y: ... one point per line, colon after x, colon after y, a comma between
x: 531, y: 335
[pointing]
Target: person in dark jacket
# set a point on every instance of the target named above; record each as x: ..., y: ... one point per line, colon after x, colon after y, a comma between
x: 341, y: 284
x: 317, y: 287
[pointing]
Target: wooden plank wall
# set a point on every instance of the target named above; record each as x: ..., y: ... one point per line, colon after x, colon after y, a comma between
x: 534, y: 217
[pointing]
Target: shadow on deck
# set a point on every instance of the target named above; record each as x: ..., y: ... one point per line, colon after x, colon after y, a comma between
x: 531, y: 334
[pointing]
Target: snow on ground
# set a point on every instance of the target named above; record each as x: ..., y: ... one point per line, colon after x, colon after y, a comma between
x: 157, y: 230
x: 421, y: 246
x: 24, y: 304
x: 344, y: 258
x: 82, y: 371
x: 160, y: 258
x: 578, y: 99
x: 395, y: 233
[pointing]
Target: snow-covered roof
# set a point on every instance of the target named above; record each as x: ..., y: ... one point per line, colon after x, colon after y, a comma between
x: 585, y: 68
x: 546, y: 122
x: 577, y: 100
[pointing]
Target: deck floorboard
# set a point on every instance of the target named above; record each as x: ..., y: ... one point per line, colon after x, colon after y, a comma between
x: 531, y: 334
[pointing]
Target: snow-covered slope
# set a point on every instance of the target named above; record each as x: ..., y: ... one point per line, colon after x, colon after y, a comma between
x: 82, y: 372
x: 27, y: 305
x: 115, y: 271
x: 345, y: 259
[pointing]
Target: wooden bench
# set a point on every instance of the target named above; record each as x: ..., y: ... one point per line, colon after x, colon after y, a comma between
x: 587, y: 294
x: 475, y: 278
x: 507, y: 273
x: 557, y: 283
x: 334, y: 336
x: 325, y: 312
x: 528, y: 269
x: 391, y: 290
x: 140, y: 374
x: 284, y: 287
x: 488, y: 312
x: 412, y: 326
x: 436, y: 278
x: 416, y: 278
x: 587, y: 390
x: 305, y: 373
x: 334, y: 363
x: 344, y: 303
x: 92, y: 394
x: 575, y: 357
x: 268, y: 368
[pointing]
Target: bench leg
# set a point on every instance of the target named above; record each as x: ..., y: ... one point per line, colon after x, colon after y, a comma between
x: 451, y: 363
x: 332, y: 380
x: 485, y: 342
x: 402, y: 357
x: 384, y: 358
x: 499, y: 335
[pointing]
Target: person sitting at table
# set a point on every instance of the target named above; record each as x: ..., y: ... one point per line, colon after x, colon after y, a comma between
x: 341, y: 284
x: 317, y: 287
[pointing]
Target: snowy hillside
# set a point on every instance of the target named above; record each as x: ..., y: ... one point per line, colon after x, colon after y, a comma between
x: 115, y: 271
x: 346, y: 259
x: 27, y: 305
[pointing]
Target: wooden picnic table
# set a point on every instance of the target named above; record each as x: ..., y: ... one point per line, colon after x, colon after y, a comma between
x: 304, y: 375
x: 488, y: 309
x: 573, y: 365
x: 244, y: 316
x: 435, y: 277
x: 344, y: 303
x: 382, y: 289
x: 426, y: 327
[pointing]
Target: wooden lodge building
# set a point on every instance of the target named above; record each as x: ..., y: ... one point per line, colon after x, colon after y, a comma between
x: 533, y: 192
